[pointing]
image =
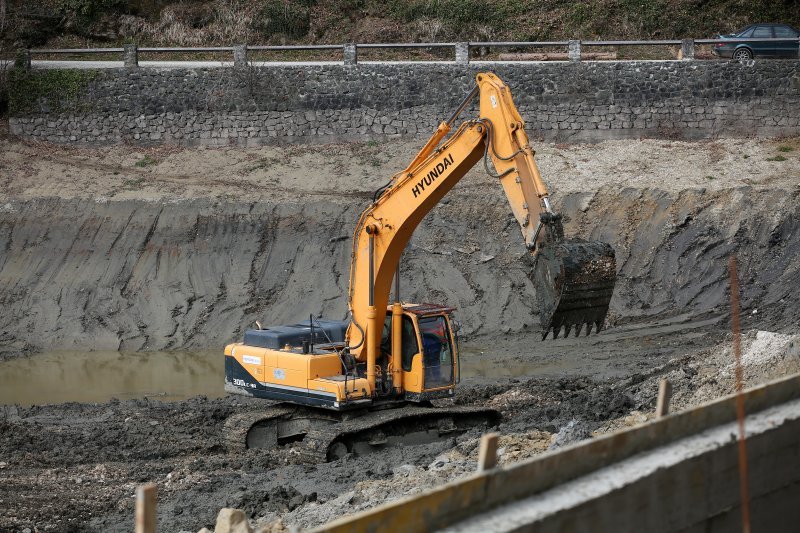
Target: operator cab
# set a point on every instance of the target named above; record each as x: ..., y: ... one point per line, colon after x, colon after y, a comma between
x: 429, y: 350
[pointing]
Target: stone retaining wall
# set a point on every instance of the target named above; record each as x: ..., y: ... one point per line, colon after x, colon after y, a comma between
x: 560, y: 101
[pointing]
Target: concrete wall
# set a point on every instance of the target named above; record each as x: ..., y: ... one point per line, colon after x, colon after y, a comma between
x: 677, y: 473
x: 559, y: 100
x: 689, y: 486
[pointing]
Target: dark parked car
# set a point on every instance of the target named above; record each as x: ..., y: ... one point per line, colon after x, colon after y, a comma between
x: 749, y: 49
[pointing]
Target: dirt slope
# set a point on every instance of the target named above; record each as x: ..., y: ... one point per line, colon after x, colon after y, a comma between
x: 155, y: 268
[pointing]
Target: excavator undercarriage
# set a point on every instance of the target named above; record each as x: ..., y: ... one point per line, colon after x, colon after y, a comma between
x: 318, y: 435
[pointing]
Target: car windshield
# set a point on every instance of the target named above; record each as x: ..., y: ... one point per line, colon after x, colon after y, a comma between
x: 747, y: 32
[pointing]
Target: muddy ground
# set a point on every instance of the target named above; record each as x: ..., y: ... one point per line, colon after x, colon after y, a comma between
x: 74, y: 467
x: 168, y: 249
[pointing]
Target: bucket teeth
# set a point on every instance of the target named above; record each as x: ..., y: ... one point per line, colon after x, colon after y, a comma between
x: 574, y: 283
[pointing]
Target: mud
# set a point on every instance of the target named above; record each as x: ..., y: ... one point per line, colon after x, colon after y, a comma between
x: 185, y: 250
x: 94, y: 455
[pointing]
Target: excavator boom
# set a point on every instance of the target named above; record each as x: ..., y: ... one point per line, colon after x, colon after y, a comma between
x: 574, y: 279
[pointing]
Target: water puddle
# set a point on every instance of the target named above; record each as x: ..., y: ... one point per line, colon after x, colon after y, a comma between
x: 77, y: 376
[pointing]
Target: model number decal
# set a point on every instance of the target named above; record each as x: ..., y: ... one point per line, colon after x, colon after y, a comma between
x: 250, y: 360
x: 243, y: 383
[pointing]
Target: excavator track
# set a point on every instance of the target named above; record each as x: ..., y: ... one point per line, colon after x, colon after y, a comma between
x: 237, y: 427
x: 321, y: 436
x: 403, y: 425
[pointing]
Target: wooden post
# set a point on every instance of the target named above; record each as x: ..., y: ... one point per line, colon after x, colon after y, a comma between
x: 664, y: 396
x: 146, y: 508
x: 487, y: 454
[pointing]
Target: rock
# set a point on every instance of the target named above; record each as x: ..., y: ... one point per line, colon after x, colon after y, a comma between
x: 485, y: 258
x: 403, y: 470
x: 276, y: 526
x: 205, y: 530
x: 439, y: 463
x: 574, y: 431
x: 232, y: 521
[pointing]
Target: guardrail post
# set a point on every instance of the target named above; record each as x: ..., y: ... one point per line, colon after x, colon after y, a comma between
x: 350, y: 54
x: 574, y: 51
x: 687, y: 49
x: 240, y: 56
x: 23, y: 59
x: 131, y: 55
x: 462, y: 53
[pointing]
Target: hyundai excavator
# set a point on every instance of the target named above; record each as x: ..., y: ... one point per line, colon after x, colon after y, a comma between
x: 351, y: 386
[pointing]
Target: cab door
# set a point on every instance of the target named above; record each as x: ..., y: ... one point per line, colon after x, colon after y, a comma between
x: 438, y: 357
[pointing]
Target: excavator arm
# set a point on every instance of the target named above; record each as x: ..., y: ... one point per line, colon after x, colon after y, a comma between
x: 574, y: 280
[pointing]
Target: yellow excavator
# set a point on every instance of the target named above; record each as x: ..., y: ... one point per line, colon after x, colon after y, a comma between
x: 351, y: 386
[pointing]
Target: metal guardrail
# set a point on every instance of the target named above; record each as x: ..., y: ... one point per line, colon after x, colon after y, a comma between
x: 350, y: 50
x: 191, y: 49
x: 76, y: 50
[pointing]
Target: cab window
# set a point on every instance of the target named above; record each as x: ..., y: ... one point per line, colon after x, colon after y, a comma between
x: 408, y: 340
x: 437, y: 351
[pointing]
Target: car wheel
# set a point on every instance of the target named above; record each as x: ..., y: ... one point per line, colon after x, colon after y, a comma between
x: 743, y: 54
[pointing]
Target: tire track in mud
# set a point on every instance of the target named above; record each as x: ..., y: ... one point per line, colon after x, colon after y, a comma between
x: 194, y: 273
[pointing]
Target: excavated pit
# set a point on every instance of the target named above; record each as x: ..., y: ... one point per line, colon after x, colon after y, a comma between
x: 160, y: 275
x: 180, y: 257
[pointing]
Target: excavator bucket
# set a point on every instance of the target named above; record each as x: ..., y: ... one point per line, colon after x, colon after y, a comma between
x: 574, y: 281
